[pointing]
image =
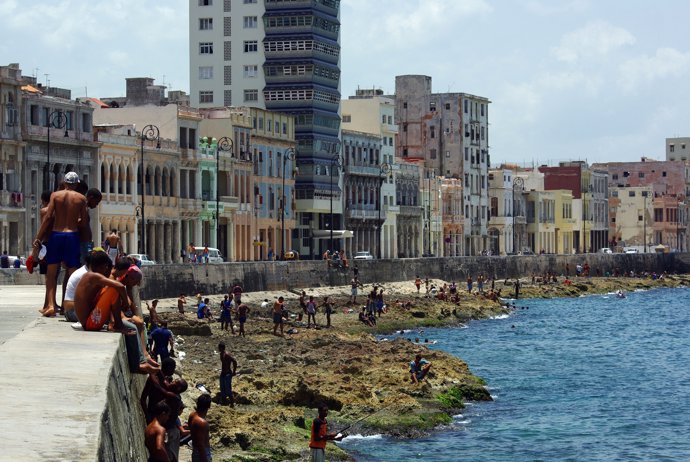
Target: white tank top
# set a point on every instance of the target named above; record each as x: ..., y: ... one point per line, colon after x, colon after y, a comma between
x: 73, y: 282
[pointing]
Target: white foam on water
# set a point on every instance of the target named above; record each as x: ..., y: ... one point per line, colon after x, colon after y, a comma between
x: 500, y: 316
x: 464, y: 422
x: 640, y: 290
x: 363, y: 437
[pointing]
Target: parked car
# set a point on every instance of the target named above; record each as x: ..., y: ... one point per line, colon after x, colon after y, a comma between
x: 630, y: 250
x: 605, y: 250
x: 22, y: 261
x: 291, y: 255
x: 363, y: 255
x: 142, y: 258
x: 214, y: 255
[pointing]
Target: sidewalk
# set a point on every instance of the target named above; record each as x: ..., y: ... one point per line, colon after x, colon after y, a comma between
x: 53, y: 382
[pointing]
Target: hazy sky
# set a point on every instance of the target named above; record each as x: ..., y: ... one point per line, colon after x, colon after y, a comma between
x: 601, y: 80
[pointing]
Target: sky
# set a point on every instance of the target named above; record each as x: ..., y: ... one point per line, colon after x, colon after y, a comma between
x: 595, y: 80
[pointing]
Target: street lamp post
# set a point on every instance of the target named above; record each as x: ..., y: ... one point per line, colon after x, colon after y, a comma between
x: 289, y: 154
x: 428, y: 214
x: 224, y: 144
x: 335, y: 160
x: 385, y: 169
x: 518, y: 183
x: 148, y: 133
x: 56, y: 119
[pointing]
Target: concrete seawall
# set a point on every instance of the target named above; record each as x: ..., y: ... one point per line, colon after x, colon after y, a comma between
x: 68, y: 395
x: 163, y: 281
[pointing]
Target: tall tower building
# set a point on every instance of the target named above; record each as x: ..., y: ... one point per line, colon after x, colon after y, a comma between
x: 282, y: 56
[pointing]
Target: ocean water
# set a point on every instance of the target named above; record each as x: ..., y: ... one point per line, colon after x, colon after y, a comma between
x: 594, y: 378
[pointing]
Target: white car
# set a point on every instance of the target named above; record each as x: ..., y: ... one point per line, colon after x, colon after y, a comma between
x: 143, y: 258
x: 631, y: 250
x: 605, y: 250
x: 363, y: 255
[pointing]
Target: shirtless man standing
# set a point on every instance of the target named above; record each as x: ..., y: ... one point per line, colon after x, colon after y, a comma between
x: 154, y: 436
x: 65, y: 216
x: 114, y: 245
x: 198, y: 425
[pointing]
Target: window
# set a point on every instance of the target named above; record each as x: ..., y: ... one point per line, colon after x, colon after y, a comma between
x: 205, y: 23
x: 227, y: 5
x: 227, y: 75
x: 432, y: 106
x: 432, y: 153
x: 206, y: 96
x: 432, y: 132
x: 205, y: 72
x: 227, y: 26
x: 465, y: 104
x: 631, y: 193
x: 482, y: 129
x: 682, y: 146
x: 251, y: 46
x: 482, y: 109
x: 405, y: 105
x: 383, y: 119
x: 390, y: 120
x: 640, y: 174
x: 250, y: 22
x: 261, y: 119
x: 447, y: 106
x: 227, y: 98
x: 347, y: 119
x: 206, y: 48
x: 251, y: 71
x: 467, y: 154
x: 671, y: 148
x: 614, y: 176
x: 247, y: 2
x: 205, y: 2
x: 284, y: 128
x: 227, y: 51
x: 404, y: 127
x: 663, y: 174
x: 251, y: 95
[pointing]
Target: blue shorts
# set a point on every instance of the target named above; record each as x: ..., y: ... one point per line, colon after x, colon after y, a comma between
x: 64, y: 247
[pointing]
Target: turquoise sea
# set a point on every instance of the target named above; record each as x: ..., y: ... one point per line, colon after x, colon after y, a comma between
x: 594, y: 378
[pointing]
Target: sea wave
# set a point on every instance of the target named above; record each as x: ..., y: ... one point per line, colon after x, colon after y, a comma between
x: 363, y: 437
x: 500, y: 316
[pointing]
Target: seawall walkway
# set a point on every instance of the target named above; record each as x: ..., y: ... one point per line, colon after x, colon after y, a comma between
x: 67, y: 395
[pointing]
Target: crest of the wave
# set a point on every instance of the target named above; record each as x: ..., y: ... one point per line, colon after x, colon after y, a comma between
x: 363, y: 437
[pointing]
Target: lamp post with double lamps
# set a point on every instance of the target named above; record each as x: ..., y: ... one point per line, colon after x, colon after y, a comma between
x: 289, y: 154
x: 518, y: 184
x: 384, y: 171
x: 335, y: 160
x: 224, y: 144
x: 56, y: 119
x: 148, y: 133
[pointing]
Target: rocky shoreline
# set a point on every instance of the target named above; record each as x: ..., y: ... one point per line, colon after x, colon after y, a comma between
x: 347, y: 366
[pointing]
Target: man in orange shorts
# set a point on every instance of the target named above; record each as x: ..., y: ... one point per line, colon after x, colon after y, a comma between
x: 99, y: 299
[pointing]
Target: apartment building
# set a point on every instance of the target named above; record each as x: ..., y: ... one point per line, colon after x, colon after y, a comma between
x: 664, y: 189
x: 408, y: 187
x: 58, y: 133
x: 507, y: 225
x: 589, y: 188
x: 285, y: 57
x: 15, y: 228
x: 370, y: 114
x: 678, y: 149
x: 449, y: 132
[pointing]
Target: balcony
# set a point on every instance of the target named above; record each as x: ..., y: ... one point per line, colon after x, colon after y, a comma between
x: 363, y: 170
x: 391, y: 209
x: 11, y: 199
x: 362, y: 214
x: 411, y: 210
x: 327, y: 6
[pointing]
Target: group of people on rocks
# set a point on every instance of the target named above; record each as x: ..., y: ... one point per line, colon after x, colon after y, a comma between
x: 337, y: 258
x: 162, y: 404
x: 230, y: 305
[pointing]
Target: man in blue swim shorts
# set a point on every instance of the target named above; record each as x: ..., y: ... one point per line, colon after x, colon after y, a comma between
x: 65, y: 216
